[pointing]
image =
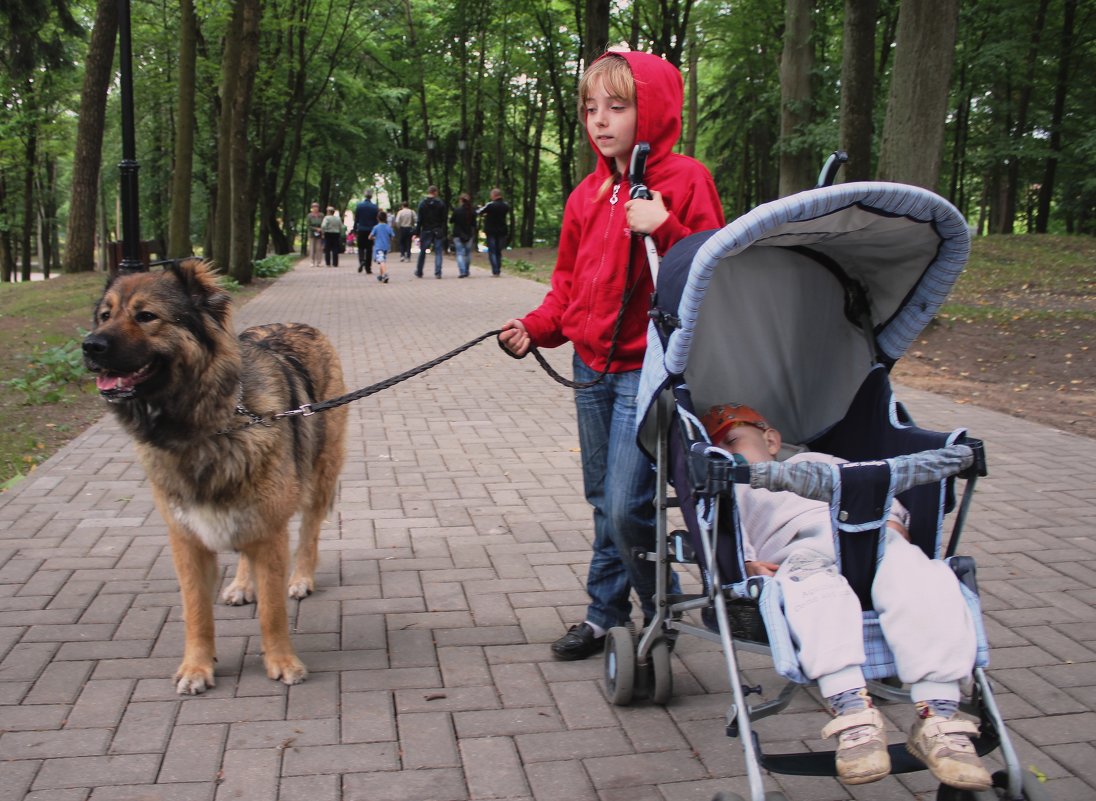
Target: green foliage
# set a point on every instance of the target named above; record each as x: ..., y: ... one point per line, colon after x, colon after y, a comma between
x: 348, y: 93
x: 273, y: 266
x: 50, y: 373
x: 229, y: 284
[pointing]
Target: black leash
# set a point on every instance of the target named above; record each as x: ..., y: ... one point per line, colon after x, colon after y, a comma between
x: 309, y: 409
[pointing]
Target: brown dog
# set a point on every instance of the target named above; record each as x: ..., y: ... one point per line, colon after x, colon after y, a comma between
x: 185, y: 387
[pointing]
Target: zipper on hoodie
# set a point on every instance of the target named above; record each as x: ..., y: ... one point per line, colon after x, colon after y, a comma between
x: 613, y: 200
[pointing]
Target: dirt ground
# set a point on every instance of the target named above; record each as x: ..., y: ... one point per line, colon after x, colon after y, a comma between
x: 1026, y: 368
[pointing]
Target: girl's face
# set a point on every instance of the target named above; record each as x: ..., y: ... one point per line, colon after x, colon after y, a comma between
x: 611, y: 124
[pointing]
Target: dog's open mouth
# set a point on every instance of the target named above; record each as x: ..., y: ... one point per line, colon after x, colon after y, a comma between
x: 114, y: 386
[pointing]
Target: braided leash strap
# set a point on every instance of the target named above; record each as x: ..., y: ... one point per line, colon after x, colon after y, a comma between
x: 380, y: 386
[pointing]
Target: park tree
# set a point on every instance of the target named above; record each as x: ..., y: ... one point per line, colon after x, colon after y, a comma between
x: 858, y: 87
x: 798, y: 160
x: 913, y: 131
x: 87, y: 158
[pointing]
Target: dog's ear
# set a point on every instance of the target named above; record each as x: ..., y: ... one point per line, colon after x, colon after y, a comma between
x: 199, y: 279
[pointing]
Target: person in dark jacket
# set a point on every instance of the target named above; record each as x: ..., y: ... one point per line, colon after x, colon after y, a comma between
x: 496, y: 215
x: 431, y: 230
x: 365, y: 217
x: 464, y: 233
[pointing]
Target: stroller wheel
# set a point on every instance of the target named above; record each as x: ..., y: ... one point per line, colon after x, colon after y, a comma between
x: 620, y: 665
x: 948, y: 793
x: 662, y: 675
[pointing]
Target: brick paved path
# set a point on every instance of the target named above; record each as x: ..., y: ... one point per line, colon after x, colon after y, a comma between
x: 455, y: 554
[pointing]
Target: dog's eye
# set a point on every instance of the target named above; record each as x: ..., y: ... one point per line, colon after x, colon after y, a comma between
x: 145, y: 317
x: 104, y: 316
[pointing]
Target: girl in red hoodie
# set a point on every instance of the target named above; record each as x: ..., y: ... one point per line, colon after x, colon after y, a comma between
x: 625, y: 97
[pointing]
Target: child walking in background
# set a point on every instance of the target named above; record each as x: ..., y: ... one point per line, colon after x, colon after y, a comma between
x: 601, y: 273
x: 923, y: 616
x: 381, y: 237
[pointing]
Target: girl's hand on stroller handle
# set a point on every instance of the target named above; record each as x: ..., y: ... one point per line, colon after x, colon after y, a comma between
x: 644, y: 216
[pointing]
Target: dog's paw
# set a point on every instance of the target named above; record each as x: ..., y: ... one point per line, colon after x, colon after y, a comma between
x: 193, y: 680
x: 238, y: 594
x: 288, y: 669
x: 301, y: 587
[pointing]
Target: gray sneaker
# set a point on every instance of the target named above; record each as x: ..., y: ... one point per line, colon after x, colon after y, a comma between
x: 861, y: 753
x: 944, y: 745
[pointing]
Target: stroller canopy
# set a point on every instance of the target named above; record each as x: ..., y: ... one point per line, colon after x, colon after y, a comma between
x: 788, y: 307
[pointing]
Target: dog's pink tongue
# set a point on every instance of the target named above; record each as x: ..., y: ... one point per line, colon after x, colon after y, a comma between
x: 105, y: 383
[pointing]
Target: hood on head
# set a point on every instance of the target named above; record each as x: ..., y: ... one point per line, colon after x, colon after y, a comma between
x: 660, y: 92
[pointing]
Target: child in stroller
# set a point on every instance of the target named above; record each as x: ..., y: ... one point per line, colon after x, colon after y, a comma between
x: 922, y: 613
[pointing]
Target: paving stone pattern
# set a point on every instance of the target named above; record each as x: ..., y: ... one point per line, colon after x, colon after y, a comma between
x: 456, y: 552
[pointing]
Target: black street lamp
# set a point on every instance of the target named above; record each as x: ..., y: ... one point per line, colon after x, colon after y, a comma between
x: 131, y: 228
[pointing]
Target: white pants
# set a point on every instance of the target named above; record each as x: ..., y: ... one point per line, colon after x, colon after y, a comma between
x: 922, y: 613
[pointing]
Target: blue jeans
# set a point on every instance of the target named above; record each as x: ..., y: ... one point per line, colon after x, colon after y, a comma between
x: 620, y: 485
x: 430, y: 239
x: 495, y: 244
x: 464, y: 251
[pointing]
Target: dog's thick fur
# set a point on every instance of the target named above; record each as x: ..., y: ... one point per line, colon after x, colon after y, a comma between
x: 165, y: 354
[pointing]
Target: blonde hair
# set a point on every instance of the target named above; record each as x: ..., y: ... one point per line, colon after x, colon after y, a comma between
x: 613, y: 74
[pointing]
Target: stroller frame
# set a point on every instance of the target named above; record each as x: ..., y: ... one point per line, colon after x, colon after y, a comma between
x: 642, y: 666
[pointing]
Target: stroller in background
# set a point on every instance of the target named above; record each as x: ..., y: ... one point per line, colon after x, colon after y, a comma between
x: 799, y: 309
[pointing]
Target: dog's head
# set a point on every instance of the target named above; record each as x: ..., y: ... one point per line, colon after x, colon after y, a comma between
x: 151, y: 329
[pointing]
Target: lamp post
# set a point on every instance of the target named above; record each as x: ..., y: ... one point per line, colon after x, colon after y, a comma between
x: 131, y: 229
x: 431, y: 143
x: 462, y: 146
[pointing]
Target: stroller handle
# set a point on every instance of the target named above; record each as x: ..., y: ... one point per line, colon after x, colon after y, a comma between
x: 819, y: 480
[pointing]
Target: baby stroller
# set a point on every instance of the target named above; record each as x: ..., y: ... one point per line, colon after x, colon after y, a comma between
x: 800, y: 308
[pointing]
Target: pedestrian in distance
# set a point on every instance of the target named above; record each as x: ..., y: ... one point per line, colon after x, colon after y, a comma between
x: 464, y: 233
x: 405, y: 228
x: 332, y: 227
x: 602, y: 274
x: 496, y: 226
x: 315, y: 235
x: 381, y: 241
x: 365, y: 217
x: 431, y: 230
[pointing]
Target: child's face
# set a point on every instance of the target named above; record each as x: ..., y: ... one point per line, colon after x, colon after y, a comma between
x: 754, y: 444
x: 611, y: 124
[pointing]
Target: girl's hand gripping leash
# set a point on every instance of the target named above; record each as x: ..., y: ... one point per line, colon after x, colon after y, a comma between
x: 637, y: 167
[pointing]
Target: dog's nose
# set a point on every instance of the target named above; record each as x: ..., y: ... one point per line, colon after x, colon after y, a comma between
x: 95, y: 345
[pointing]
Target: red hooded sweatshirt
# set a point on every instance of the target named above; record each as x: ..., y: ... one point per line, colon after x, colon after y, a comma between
x: 588, y: 282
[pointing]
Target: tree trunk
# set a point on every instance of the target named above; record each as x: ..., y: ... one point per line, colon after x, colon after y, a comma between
x: 222, y: 211
x: 1061, y: 88
x: 858, y: 87
x: 797, y: 163
x: 1019, y: 132
x: 7, y: 256
x: 30, y: 156
x: 692, y: 102
x: 244, y: 188
x: 183, y: 175
x: 88, y: 153
x: 913, y: 131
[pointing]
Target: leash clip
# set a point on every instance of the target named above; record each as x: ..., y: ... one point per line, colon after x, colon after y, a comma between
x: 302, y: 411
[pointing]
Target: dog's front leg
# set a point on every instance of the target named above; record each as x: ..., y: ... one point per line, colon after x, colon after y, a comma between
x: 196, y: 568
x: 269, y: 559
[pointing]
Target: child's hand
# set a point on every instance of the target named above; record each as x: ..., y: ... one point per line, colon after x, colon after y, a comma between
x: 515, y: 338
x: 644, y: 216
x: 761, y: 568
